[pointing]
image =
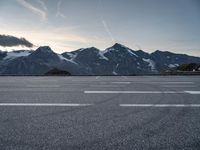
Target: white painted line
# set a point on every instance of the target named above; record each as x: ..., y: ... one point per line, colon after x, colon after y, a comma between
x: 179, y: 86
x: 176, y: 82
x: 157, y: 82
x: 160, y: 105
x: 107, y: 86
x: 133, y: 92
x: 192, y: 92
x: 142, y: 92
x: 43, y: 86
x: 121, y: 82
x: 45, y: 104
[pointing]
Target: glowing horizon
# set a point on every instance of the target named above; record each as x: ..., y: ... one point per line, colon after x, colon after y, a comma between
x: 72, y: 24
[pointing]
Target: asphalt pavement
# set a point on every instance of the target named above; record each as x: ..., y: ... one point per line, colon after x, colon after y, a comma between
x: 100, y: 113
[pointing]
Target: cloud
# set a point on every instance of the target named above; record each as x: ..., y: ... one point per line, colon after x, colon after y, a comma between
x: 43, y: 5
x: 108, y: 30
x: 105, y: 25
x: 40, y: 12
x: 59, y: 13
x: 9, y: 41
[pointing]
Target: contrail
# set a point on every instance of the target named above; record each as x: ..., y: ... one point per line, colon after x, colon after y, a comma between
x: 108, y: 30
x: 105, y: 25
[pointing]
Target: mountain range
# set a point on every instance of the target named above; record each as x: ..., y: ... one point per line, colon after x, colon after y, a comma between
x: 115, y: 60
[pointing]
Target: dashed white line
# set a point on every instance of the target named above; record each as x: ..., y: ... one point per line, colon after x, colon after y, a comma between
x: 176, y: 83
x: 132, y: 92
x: 45, y: 104
x: 193, y: 92
x: 106, y: 86
x: 179, y: 86
x: 142, y: 92
x: 121, y: 82
x: 43, y: 86
x: 160, y: 105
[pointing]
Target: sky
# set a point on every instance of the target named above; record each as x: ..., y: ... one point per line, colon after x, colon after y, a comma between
x: 67, y: 25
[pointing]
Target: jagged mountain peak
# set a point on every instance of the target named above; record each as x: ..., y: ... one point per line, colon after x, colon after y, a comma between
x: 116, y: 60
x: 118, y: 46
x: 93, y: 49
x: 141, y: 51
x: 120, y: 49
x: 159, y: 51
x: 44, y: 53
x: 85, y: 50
x: 168, y: 54
x: 44, y: 49
x: 164, y: 52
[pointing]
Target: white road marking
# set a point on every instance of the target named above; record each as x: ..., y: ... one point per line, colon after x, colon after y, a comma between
x: 43, y: 86
x: 107, y: 86
x: 133, y: 92
x: 142, y: 92
x: 45, y: 104
x: 121, y: 82
x: 157, y: 82
x: 177, y: 86
x: 176, y: 82
x: 160, y: 105
x: 193, y: 92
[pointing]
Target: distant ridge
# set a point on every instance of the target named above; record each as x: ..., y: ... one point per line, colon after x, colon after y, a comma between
x: 115, y: 60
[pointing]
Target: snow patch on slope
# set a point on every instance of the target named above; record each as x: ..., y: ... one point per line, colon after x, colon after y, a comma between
x: 101, y: 54
x: 151, y: 63
x: 16, y: 54
x: 114, y: 73
x: 65, y: 59
x: 112, y: 49
x: 107, y: 50
x: 72, y: 56
x: 173, y: 65
x: 130, y: 51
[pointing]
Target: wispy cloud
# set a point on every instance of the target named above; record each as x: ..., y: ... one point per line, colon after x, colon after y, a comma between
x: 108, y: 30
x: 59, y: 13
x: 105, y: 25
x: 38, y: 11
x: 43, y: 5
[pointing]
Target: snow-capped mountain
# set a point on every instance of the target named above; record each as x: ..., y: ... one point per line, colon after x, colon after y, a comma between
x: 115, y: 60
x: 36, y: 63
x: 167, y: 60
x: 14, y: 54
x: 125, y: 61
